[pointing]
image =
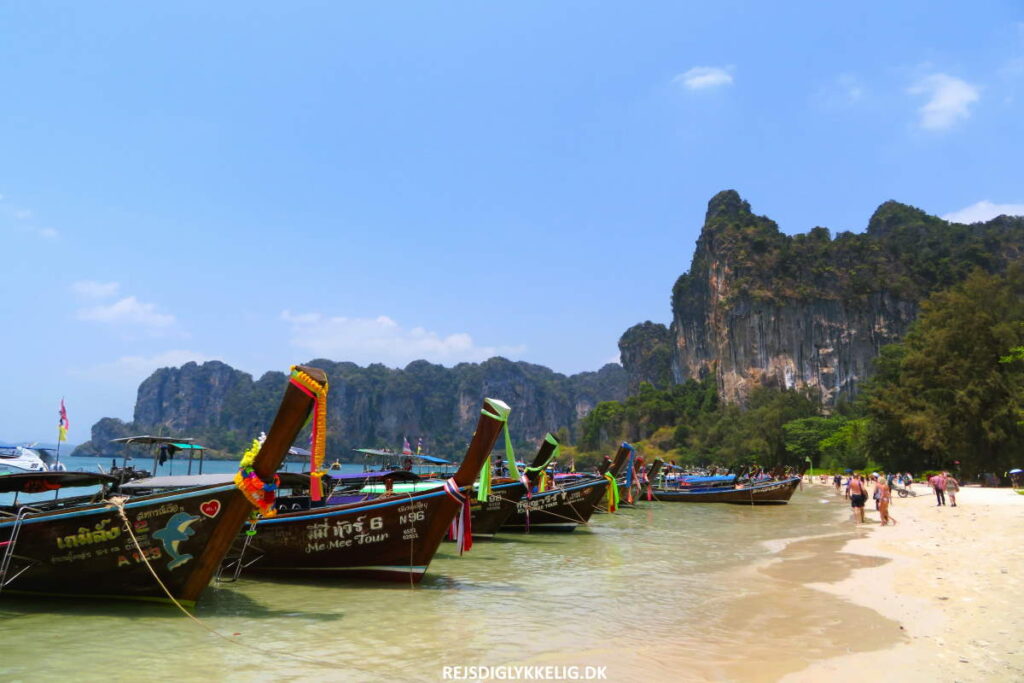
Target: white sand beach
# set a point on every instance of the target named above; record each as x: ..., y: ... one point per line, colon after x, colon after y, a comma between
x: 953, y: 581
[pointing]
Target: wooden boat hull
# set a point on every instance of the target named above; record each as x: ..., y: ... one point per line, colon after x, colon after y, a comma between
x: 561, y: 509
x: 86, y: 552
x: 769, y: 493
x: 392, y: 538
x: 490, y: 516
x: 389, y: 538
x: 83, y: 551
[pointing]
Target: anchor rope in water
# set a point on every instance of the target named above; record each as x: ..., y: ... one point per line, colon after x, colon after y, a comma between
x: 118, y: 502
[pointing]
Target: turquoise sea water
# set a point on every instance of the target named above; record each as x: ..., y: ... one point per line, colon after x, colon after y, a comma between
x: 663, y: 573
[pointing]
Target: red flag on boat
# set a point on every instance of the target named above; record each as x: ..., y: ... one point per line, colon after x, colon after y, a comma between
x: 63, y: 424
x: 406, y: 448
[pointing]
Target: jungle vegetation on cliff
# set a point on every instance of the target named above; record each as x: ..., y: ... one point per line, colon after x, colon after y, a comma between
x: 949, y: 396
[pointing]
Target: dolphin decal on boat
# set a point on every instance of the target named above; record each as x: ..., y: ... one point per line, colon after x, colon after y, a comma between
x: 176, y: 531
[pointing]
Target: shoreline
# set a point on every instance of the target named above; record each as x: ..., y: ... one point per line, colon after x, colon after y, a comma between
x: 949, y: 577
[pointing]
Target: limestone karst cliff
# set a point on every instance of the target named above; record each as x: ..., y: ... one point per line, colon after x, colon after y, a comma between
x: 809, y: 310
x: 368, y: 407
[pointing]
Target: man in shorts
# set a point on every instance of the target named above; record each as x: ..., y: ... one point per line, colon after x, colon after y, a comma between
x: 858, y: 496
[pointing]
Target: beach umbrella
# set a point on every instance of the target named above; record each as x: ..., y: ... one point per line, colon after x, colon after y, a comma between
x: 1016, y: 470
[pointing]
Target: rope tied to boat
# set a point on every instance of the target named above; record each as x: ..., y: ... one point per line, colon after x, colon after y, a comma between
x: 461, y: 528
x: 118, y: 502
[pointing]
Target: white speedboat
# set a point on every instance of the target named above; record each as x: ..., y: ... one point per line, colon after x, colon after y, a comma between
x: 15, y: 459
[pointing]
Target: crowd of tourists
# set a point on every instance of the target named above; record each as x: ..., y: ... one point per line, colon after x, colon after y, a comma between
x: 857, y: 488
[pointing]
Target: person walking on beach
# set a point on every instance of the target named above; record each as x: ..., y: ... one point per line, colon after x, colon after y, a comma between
x: 952, y: 488
x: 837, y: 481
x: 884, y: 499
x: 938, y: 483
x: 858, y: 496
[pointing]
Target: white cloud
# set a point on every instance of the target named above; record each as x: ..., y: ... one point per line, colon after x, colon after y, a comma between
x: 90, y: 289
x: 842, y: 92
x: 382, y: 340
x: 47, y: 233
x: 128, y: 310
x: 131, y: 370
x: 983, y: 211
x: 702, y: 77
x: 851, y: 87
x: 949, y: 99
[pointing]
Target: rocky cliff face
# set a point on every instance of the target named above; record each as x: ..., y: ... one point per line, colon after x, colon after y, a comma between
x: 647, y: 350
x: 758, y: 307
x: 373, y: 406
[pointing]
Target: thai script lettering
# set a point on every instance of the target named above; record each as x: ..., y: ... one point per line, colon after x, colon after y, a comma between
x: 165, y: 509
x: 99, y: 534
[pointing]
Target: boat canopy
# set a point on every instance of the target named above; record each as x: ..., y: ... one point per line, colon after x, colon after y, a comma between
x: 396, y: 475
x: 425, y: 458
x: 148, y: 440
x: 40, y: 482
x: 185, y: 481
x: 708, y: 479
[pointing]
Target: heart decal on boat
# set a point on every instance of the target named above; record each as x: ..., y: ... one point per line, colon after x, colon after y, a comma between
x: 210, y: 508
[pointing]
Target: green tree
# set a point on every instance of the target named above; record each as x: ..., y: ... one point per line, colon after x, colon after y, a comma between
x: 943, y: 396
x: 804, y: 436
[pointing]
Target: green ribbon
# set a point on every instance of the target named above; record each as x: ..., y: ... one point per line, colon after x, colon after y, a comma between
x: 496, y: 410
x: 510, y: 455
x: 484, y: 491
x: 613, y: 492
x: 500, y: 410
x: 554, y: 455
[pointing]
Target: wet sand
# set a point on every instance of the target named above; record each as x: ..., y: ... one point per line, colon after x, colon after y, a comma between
x: 934, y: 598
x: 777, y: 620
x: 951, y: 578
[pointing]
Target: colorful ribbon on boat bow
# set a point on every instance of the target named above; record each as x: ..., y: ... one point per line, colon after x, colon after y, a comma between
x: 258, y: 492
x: 613, y: 492
x: 318, y: 439
x: 461, y: 529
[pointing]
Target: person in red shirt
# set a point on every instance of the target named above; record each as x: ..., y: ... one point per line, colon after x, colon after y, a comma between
x: 938, y: 483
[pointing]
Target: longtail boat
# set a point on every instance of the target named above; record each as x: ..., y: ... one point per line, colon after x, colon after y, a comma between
x: 563, y: 508
x: 647, y: 479
x: 630, y: 483
x: 771, y: 492
x: 487, y: 515
x: 391, y: 538
x: 612, y: 500
x: 506, y: 493
x: 107, y: 548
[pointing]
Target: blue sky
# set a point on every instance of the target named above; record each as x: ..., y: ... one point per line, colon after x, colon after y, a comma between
x: 264, y: 183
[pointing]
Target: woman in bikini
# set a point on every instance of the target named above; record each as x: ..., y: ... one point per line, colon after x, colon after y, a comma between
x: 884, y: 499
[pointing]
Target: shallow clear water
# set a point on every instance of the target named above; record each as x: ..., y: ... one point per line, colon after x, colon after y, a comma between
x: 662, y: 573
